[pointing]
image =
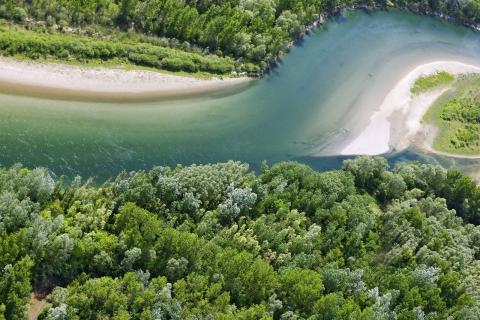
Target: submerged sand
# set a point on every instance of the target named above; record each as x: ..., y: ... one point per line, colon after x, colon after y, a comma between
x: 52, y: 80
x: 398, y: 119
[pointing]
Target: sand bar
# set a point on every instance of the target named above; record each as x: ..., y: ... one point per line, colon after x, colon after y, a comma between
x: 376, y: 138
x: 96, y: 83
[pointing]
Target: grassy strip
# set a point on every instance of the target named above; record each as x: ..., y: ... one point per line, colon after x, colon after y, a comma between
x: 457, y: 116
x: 22, y: 43
x: 426, y: 83
x: 121, y: 64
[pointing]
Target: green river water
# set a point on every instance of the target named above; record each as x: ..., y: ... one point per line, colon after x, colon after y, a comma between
x: 321, y: 94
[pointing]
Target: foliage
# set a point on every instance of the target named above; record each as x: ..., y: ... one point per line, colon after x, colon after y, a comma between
x: 457, y: 114
x: 15, y: 287
x: 432, y: 81
x: 57, y: 46
x: 221, y: 242
x: 241, y: 36
x: 227, y: 35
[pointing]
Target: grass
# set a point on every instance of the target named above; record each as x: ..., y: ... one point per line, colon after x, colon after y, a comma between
x: 427, y: 83
x: 456, y: 114
x: 119, y: 64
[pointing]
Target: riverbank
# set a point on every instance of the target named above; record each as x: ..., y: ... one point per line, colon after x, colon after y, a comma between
x: 62, y: 81
x: 454, y: 117
x: 425, y: 140
x: 141, y: 85
x: 397, y: 122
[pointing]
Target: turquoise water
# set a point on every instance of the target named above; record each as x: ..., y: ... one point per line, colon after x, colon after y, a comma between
x: 321, y: 95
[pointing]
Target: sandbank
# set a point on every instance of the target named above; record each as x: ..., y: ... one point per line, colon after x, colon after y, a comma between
x: 398, y: 119
x: 54, y: 80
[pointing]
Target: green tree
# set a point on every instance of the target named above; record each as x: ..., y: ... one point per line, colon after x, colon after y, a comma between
x: 301, y: 288
x: 15, y: 288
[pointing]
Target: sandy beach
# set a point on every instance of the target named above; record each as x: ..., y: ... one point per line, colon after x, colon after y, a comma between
x: 68, y: 81
x: 398, y: 119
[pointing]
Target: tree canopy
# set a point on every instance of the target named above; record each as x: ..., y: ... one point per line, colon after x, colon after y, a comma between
x: 222, y: 242
x: 226, y: 35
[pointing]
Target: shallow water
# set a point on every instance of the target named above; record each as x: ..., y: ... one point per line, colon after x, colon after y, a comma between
x: 319, y: 97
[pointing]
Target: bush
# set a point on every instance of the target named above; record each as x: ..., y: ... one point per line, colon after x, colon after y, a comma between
x: 62, y: 46
x: 19, y: 14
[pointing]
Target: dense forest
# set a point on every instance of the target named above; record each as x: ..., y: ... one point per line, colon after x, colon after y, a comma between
x: 252, y: 33
x: 222, y: 242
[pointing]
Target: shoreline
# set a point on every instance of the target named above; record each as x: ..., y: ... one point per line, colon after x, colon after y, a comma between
x: 63, y: 81
x: 425, y: 140
x: 397, y: 122
x: 144, y: 85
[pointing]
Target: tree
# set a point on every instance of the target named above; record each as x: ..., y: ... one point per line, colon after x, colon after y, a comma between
x: 137, y: 227
x: 2, y: 312
x: 367, y: 171
x: 301, y: 288
x: 289, y: 23
x: 14, y: 213
x: 334, y: 307
x: 304, y: 244
x: 15, y: 288
x: 127, y: 11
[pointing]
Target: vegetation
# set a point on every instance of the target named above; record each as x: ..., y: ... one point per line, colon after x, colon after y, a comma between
x: 233, y: 35
x: 220, y: 242
x: 14, y: 41
x: 457, y: 115
x: 251, y: 33
x: 429, y: 82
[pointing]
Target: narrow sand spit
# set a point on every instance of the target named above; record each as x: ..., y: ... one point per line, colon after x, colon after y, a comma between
x: 18, y: 77
x: 384, y: 133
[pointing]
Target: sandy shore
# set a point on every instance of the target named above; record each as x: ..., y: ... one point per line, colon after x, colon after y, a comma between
x: 66, y: 81
x: 398, y: 119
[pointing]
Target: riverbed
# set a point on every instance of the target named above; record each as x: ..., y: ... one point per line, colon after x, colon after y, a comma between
x: 320, y: 97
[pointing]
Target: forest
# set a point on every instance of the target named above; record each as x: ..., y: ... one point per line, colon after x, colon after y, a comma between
x: 219, y: 241
x: 253, y: 33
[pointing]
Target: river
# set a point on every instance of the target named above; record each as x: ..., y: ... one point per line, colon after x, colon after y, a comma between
x: 318, y: 98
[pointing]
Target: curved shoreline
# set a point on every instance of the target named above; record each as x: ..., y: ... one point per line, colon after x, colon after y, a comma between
x: 401, y: 112
x: 61, y: 81
x: 425, y: 140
